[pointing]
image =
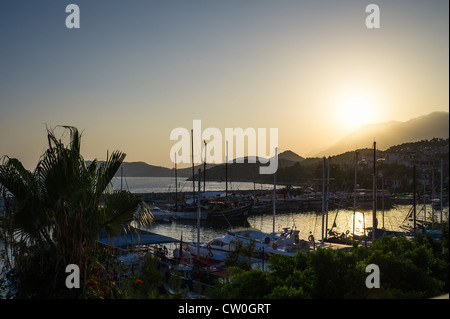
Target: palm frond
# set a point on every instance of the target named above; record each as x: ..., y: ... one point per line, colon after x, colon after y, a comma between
x: 118, y: 210
x: 107, y: 170
x: 15, y: 178
x: 144, y: 215
x: 75, y: 138
x: 27, y: 218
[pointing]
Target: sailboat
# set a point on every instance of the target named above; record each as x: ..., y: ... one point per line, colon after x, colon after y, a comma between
x: 225, y: 207
x: 214, y: 208
x: 286, y: 242
x: 184, y: 210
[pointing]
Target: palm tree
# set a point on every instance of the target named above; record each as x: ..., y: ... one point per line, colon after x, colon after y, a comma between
x: 55, y: 213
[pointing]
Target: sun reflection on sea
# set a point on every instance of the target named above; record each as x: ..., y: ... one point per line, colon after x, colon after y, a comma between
x: 357, y: 220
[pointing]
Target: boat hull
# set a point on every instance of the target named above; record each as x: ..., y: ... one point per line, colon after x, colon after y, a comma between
x: 190, y: 215
x: 235, y: 213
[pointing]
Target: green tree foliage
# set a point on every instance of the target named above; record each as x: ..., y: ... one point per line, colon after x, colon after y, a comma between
x: 148, y: 284
x: 240, y: 256
x: 408, y: 269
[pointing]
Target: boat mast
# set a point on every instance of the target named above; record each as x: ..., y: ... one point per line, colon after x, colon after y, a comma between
x: 354, y: 192
x: 323, y: 196
x: 176, y: 181
x: 198, y: 217
x: 274, y: 190
x: 328, y: 199
x: 204, y: 170
x: 382, y: 196
x: 442, y: 188
x: 374, y: 214
x: 193, y: 171
x: 226, y: 170
x: 432, y: 198
x: 424, y: 209
x: 414, y: 196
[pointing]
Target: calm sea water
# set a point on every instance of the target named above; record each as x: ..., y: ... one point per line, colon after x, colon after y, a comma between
x: 167, y: 184
x: 307, y: 222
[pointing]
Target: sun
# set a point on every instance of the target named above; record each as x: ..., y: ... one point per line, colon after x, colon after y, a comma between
x: 357, y: 108
x: 355, y: 111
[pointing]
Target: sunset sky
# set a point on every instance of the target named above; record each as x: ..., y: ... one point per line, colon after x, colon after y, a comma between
x: 135, y: 70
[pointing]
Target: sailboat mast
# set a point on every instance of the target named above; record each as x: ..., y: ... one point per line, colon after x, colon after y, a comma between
x: 424, y: 209
x: 432, y: 198
x: 204, y: 170
x: 414, y: 196
x: 382, y: 196
x: 354, y: 192
x: 323, y: 197
x: 374, y: 215
x: 226, y: 170
x: 442, y: 188
x: 193, y: 170
x: 198, y: 217
x: 176, y: 181
x: 328, y: 199
x: 274, y: 191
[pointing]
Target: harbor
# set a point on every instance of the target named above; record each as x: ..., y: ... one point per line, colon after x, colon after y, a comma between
x: 185, y: 245
x: 306, y: 222
x: 205, y: 244
x: 197, y: 250
x: 279, y: 221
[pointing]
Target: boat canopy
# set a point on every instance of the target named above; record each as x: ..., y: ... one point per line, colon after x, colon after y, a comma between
x: 136, y: 237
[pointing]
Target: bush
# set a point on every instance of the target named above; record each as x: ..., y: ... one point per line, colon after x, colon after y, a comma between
x: 148, y: 284
x: 408, y: 269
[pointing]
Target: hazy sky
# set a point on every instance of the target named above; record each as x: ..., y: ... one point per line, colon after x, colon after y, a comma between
x: 135, y: 70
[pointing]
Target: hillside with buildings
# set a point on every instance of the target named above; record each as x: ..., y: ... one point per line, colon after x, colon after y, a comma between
x: 388, y: 134
x: 394, y: 168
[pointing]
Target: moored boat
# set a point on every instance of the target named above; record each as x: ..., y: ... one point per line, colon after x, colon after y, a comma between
x: 160, y: 214
x: 286, y: 242
x: 188, y: 212
x: 230, y: 211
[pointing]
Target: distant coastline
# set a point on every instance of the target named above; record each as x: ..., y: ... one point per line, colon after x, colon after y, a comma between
x: 395, y: 164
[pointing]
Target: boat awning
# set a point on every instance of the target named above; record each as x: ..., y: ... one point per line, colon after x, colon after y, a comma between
x: 136, y: 237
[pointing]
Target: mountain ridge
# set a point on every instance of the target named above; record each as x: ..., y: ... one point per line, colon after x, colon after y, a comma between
x: 142, y: 169
x: 436, y: 124
x: 387, y: 134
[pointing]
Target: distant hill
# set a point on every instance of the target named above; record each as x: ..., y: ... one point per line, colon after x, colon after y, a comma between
x: 141, y: 169
x: 250, y: 171
x: 391, y: 133
x: 290, y: 156
x: 288, y: 159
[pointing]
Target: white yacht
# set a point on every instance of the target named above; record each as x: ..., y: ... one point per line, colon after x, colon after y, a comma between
x: 286, y: 242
